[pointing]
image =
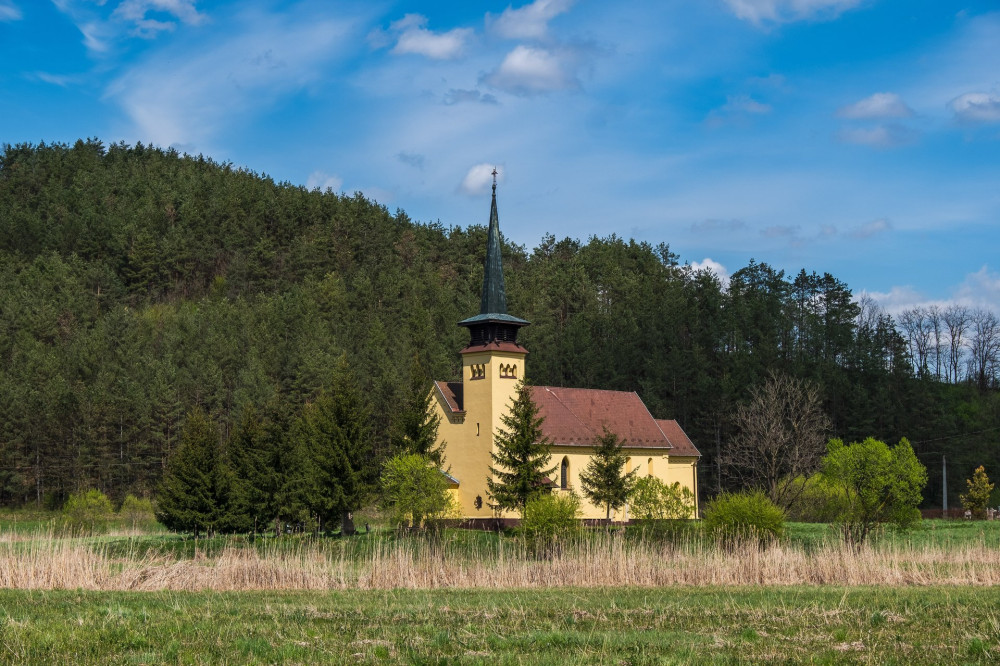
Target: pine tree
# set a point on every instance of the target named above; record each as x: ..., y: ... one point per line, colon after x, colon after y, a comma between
x: 521, y: 455
x: 603, y: 480
x: 195, y: 491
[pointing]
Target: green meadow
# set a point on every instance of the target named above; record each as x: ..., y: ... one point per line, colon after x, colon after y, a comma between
x: 913, y: 625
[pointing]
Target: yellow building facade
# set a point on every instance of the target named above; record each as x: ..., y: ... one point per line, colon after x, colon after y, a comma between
x: 470, y: 411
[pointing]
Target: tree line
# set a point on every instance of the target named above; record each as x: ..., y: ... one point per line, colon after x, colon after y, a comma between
x: 138, y: 286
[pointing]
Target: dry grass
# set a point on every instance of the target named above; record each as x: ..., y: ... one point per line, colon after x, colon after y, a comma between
x: 49, y: 562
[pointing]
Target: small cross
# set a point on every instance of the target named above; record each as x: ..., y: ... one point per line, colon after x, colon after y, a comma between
x: 494, y: 178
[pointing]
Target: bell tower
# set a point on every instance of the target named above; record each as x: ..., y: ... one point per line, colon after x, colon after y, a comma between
x: 493, y: 361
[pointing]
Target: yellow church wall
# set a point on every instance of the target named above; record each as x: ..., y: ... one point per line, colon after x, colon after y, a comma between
x: 469, y: 439
x: 646, y: 462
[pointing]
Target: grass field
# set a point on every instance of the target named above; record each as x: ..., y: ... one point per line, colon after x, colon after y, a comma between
x: 927, y: 596
x: 933, y: 625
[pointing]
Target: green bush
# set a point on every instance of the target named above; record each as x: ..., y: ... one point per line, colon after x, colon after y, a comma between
x: 549, y: 518
x: 745, y: 515
x: 137, y: 512
x: 653, y: 499
x: 816, y: 499
x: 89, y: 511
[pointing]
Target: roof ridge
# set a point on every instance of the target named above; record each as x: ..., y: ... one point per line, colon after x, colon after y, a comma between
x: 568, y: 409
x: 665, y: 438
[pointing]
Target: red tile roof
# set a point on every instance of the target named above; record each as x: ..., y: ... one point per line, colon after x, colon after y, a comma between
x: 681, y: 442
x: 578, y: 416
x: 452, y: 394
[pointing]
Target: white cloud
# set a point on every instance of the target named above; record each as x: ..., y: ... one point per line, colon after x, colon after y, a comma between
x: 9, y: 11
x: 977, y: 290
x: 479, y: 179
x: 873, y: 228
x: 528, y: 70
x: 712, y: 266
x: 977, y: 108
x: 324, y: 181
x: 879, y: 105
x: 980, y: 289
x: 736, y: 110
x: 54, y: 79
x: 880, y: 136
x: 745, y: 104
x: 137, y: 11
x: 783, y: 11
x: 527, y: 22
x: 185, y: 97
x: 413, y: 37
x: 458, y: 96
x: 95, y: 36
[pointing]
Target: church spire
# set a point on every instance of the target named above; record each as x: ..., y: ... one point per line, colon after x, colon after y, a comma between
x: 494, y: 300
x: 493, y: 324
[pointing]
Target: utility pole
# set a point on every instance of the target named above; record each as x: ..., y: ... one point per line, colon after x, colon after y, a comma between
x: 944, y: 485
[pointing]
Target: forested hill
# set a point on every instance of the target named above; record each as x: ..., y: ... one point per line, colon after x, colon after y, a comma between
x: 136, y: 284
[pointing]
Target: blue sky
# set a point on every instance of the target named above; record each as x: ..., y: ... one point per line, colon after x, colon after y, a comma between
x: 858, y: 137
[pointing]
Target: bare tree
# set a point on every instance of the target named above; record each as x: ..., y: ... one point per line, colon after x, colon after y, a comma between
x: 781, y: 435
x: 915, y: 325
x: 956, y: 318
x: 934, y: 326
x: 984, y: 348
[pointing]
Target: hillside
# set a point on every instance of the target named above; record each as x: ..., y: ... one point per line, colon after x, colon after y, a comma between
x: 137, y: 283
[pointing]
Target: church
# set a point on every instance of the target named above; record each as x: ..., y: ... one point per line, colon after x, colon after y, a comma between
x: 469, y: 411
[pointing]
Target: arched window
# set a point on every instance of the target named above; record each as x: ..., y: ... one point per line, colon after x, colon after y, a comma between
x: 513, y: 371
x: 649, y: 467
x: 564, y: 474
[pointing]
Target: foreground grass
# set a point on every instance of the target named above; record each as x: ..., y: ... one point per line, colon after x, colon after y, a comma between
x: 554, y: 626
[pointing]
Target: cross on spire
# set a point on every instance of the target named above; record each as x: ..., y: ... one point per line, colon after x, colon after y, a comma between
x: 494, y: 180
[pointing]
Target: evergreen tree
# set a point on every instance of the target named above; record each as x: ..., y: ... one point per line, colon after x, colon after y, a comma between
x: 604, y: 481
x: 336, y: 432
x: 416, y: 428
x: 195, y: 490
x: 521, y: 455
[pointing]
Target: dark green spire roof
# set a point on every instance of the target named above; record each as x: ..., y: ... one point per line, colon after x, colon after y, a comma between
x: 494, y: 300
x: 493, y: 304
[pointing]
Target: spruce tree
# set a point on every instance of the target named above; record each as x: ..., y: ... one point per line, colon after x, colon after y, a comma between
x: 521, y: 455
x: 336, y: 431
x: 195, y: 491
x: 603, y: 480
x: 416, y: 429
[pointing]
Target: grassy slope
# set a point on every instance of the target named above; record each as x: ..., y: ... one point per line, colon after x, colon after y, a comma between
x: 559, y: 626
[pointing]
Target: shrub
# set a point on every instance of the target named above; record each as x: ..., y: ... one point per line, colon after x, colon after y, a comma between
x: 548, y: 518
x: 746, y: 515
x: 89, y: 511
x: 652, y: 499
x: 137, y: 512
x: 415, y: 492
x: 978, y: 497
x: 817, y: 499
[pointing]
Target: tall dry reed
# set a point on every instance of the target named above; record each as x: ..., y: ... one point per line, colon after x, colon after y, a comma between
x: 598, y: 560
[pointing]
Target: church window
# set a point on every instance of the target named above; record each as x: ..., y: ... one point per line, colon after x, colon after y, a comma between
x: 508, y: 370
x: 479, y: 502
x: 477, y: 371
x: 564, y: 473
x: 649, y: 470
